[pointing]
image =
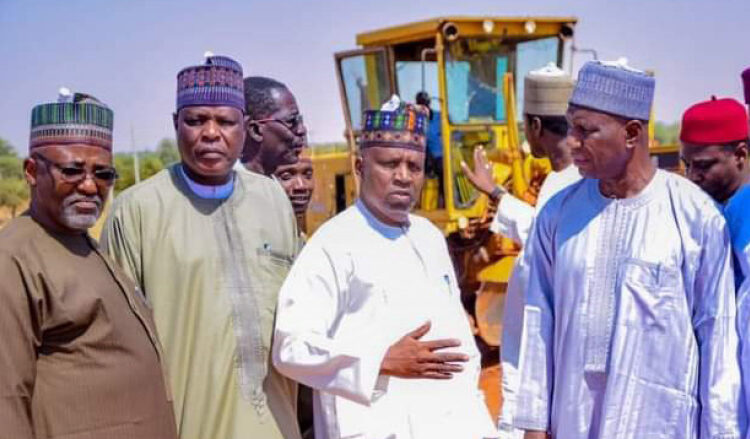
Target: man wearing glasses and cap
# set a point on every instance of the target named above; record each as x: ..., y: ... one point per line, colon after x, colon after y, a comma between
x: 79, y: 356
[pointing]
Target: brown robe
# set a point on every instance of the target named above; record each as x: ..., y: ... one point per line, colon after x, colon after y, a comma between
x: 79, y: 357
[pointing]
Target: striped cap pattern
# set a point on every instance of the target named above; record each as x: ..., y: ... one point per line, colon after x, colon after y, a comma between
x: 404, y: 127
x: 217, y: 82
x: 84, y: 120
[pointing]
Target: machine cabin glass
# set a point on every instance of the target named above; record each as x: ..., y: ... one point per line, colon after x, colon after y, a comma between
x: 365, y: 82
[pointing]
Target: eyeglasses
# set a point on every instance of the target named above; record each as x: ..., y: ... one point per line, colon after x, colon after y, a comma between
x: 292, y: 123
x: 74, y: 174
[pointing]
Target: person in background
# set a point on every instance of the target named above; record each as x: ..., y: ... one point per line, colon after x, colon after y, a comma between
x: 80, y: 357
x: 545, y: 103
x: 298, y: 183
x: 276, y: 134
x: 434, y: 158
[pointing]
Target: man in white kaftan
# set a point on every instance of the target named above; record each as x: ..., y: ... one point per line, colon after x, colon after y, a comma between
x: 546, y: 96
x: 629, y: 316
x: 365, y: 279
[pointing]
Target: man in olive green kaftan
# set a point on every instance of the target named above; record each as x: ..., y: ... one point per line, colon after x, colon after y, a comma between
x: 210, y: 248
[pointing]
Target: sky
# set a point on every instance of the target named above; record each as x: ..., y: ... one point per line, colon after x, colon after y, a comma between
x: 127, y: 53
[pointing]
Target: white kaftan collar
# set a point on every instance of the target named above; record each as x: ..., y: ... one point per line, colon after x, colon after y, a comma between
x: 653, y: 187
x: 390, y: 232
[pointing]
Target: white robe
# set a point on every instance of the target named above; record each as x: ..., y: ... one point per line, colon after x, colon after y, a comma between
x: 357, y: 287
x: 630, y: 317
x: 514, y: 219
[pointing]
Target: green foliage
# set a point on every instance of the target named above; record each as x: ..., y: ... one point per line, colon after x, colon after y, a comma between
x: 10, y: 167
x: 167, y: 151
x: 13, y: 193
x: 13, y: 189
x: 6, y: 149
x: 149, y: 164
x: 667, y: 133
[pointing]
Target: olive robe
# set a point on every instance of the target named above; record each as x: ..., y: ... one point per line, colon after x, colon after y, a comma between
x: 212, y: 269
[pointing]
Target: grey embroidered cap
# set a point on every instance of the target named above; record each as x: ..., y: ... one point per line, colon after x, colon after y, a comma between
x: 614, y: 88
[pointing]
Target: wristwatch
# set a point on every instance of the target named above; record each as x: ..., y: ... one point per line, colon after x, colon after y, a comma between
x: 498, y: 192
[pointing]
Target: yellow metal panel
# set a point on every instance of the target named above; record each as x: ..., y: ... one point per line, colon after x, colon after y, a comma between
x: 467, y: 26
x: 499, y: 272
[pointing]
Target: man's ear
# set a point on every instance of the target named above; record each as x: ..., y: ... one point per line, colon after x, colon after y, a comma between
x: 358, y: 164
x: 29, y: 171
x: 174, y: 120
x: 741, y: 153
x: 536, y: 127
x: 255, y: 131
x: 633, y: 129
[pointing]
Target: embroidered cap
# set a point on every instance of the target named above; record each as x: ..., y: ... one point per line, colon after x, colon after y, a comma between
x: 395, y: 125
x: 74, y: 118
x: 614, y: 88
x: 217, y: 82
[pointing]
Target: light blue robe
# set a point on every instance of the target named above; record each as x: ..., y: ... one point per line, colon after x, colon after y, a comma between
x: 630, y: 317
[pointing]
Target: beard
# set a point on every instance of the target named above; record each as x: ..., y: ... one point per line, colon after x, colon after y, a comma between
x: 75, y: 220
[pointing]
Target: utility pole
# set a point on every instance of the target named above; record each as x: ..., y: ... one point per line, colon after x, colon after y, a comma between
x: 136, y: 166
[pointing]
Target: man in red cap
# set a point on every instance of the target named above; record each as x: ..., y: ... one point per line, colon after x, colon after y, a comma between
x: 714, y: 138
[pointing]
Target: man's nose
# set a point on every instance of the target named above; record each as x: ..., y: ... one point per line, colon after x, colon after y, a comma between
x: 301, y: 130
x: 693, y: 175
x: 573, y: 141
x: 211, y: 130
x: 87, y: 186
x: 298, y: 183
x: 403, y: 174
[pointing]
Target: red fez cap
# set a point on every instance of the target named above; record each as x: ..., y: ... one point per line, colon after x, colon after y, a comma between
x: 746, y: 84
x: 714, y: 122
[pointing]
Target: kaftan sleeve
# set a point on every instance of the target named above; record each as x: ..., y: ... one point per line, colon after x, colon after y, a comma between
x: 19, y: 327
x: 513, y: 219
x: 121, y: 239
x: 311, y: 303
x: 536, y: 364
x: 714, y: 323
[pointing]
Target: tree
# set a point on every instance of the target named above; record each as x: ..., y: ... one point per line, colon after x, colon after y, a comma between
x: 149, y: 164
x: 167, y: 151
x: 10, y: 167
x: 13, y: 194
x: 6, y: 149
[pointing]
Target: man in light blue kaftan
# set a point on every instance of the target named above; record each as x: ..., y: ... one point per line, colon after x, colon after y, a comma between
x: 629, y: 317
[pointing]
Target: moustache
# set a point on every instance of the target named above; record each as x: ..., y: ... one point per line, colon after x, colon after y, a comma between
x: 75, y: 198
